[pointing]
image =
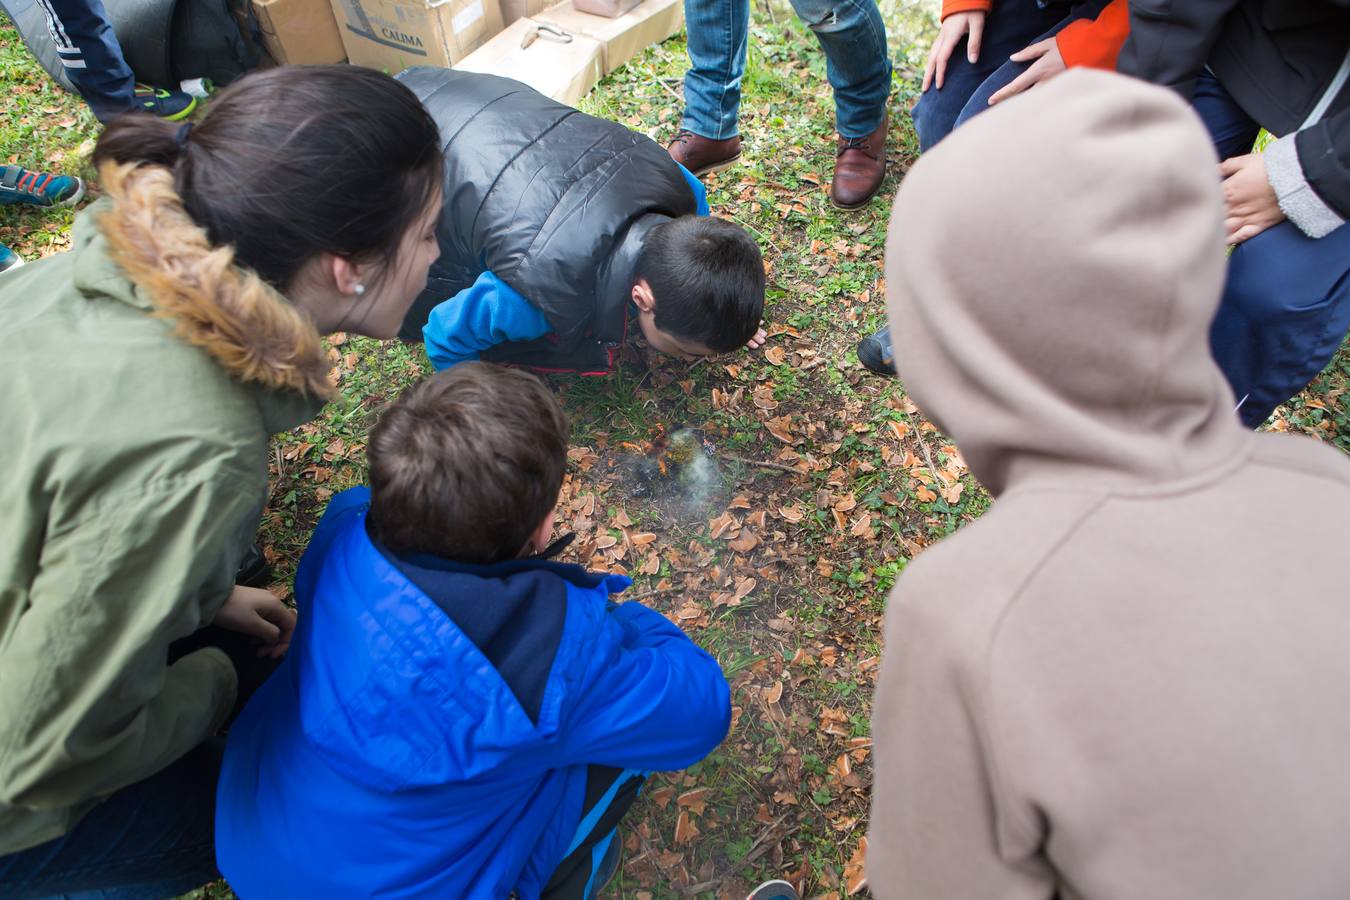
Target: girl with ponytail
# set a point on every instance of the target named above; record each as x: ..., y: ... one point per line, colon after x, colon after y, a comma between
x: 144, y: 372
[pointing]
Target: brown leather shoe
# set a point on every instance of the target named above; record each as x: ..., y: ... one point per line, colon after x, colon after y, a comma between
x: 859, y: 168
x: 702, y: 155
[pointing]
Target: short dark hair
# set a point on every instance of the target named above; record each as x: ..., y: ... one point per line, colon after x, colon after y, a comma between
x: 466, y: 465
x: 295, y: 161
x: 707, y: 277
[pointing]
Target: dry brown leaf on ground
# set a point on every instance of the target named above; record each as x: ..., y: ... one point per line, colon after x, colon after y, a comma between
x: 685, y: 829
x: 855, y: 871
x: 723, y: 524
x: 696, y: 801
x: 781, y: 428
x: 745, y: 543
x: 862, y: 528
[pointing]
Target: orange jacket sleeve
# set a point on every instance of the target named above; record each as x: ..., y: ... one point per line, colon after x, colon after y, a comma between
x: 956, y: 6
x: 1094, y: 42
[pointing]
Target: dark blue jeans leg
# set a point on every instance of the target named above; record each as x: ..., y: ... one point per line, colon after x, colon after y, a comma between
x: 1232, y: 130
x: 149, y: 841
x: 1010, y: 26
x: 718, y: 31
x: 1285, y: 311
x: 1006, y: 73
x: 91, y: 55
x: 1286, y: 304
x: 853, y: 37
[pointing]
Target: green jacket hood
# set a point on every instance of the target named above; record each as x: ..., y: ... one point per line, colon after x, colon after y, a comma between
x: 250, y: 330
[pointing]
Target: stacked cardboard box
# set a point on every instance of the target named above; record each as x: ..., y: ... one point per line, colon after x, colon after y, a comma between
x: 299, y: 32
x: 517, y: 9
x: 392, y: 35
x: 562, y: 53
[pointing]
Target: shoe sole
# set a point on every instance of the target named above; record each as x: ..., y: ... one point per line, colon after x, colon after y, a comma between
x: 776, y: 884
x: 75, y: 197
x: 18, y: 263
x: 718, y: 166
x: 861, y: 203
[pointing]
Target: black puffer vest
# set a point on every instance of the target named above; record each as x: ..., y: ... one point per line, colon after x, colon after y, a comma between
x: 556, y: 203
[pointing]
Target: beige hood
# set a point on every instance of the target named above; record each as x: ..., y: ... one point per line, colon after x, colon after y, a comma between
x: 1052, y: 272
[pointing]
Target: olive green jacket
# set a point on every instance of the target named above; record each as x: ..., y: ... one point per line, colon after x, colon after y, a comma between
x: 138, y: 398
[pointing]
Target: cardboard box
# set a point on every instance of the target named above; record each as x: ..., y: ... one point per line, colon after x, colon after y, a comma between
x: 299, y: 32
x: 610, y: 9
x: 624, y: 37
x: 392, y: 35
x: 563, y: 71
x: 519, y: 9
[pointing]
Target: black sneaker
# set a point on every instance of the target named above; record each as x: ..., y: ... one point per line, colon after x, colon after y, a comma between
x: 162, y: 102
x: 253, y: 569
x: 875, y: 352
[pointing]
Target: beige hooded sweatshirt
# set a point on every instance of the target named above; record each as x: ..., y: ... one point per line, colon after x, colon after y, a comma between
x: 1131, y: 678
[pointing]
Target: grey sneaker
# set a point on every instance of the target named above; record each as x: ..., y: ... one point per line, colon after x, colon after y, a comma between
x: 876, y: 353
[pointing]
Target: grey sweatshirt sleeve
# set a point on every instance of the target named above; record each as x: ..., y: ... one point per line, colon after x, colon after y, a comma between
x: 1298, y: 199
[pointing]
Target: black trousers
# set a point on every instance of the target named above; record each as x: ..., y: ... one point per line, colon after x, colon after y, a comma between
x: 594, y: 855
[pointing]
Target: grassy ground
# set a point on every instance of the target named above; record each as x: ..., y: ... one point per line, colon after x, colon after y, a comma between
x: 777, y: 552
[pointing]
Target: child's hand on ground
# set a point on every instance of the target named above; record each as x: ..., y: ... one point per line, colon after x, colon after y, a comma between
x: 757, y: 341
x: 262, y: 615
x: 1048, y: 63
x: 1250, y: 204
x: 954, y: 27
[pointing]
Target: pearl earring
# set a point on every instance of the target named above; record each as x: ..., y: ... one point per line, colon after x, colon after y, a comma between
x: 359, y: 289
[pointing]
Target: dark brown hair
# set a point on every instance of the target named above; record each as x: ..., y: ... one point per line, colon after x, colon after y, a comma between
x: 466, y: 465
x: 295, y: 161
x: 707, y: 276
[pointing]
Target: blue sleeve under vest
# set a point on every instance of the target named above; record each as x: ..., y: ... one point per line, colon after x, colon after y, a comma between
x: 700, y: 192
x: 484, y: 314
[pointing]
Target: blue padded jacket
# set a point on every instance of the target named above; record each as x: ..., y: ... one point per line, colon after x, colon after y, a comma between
x: 387, y: 757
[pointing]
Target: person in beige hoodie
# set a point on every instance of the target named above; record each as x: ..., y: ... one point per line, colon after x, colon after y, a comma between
x: 1131, y: 678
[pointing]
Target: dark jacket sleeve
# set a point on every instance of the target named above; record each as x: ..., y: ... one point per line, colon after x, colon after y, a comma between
x: 1170, y: 40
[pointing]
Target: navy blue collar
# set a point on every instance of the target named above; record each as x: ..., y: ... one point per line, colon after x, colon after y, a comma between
x: 569, y: 572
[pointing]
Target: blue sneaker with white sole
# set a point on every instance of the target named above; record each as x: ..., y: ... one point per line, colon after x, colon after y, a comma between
x: 20, y: 185
x: 777, y: 889
x: 9, y: 259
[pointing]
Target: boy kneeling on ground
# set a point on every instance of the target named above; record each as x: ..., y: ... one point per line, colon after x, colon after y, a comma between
x: 458, y: 716
x: 561, y: 230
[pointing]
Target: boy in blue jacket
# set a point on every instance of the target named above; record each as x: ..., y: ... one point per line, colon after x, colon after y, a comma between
x: 457, y: 716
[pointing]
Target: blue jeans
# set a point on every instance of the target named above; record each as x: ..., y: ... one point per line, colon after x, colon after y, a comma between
x: 850, y: 32
x: 153, y: 840
x: 1286, y: 305
x: 91, y: 55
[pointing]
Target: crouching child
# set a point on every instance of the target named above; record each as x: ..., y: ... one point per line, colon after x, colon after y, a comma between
x: 562, y: 234
x: 458, y: 716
